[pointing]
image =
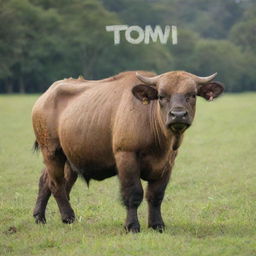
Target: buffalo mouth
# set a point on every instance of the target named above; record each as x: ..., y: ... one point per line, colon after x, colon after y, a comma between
x: 178, y: 127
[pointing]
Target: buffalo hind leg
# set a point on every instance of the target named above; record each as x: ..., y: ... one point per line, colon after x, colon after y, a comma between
x: 131, y: 188
x: 44, y: 194
x: 70, y: 177
x: 155, y: 195
x: 57, y: 184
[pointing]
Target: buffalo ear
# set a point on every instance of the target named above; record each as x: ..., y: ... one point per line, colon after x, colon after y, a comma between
x: 211, y: 90
x: 144, y: 93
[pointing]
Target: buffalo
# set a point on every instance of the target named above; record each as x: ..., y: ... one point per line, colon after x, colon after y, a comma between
x: 130, y: 125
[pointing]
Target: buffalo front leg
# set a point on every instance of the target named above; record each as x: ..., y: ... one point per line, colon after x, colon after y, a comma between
x: 155, y: 195
x: 131, y: 188
x: 44, y: 194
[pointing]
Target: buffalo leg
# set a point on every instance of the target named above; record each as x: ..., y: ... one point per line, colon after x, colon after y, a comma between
x: 131, y: 188
x: 57, y: 184
x: 70, y: 177
x: 42, y: 199
x: 155, y: 195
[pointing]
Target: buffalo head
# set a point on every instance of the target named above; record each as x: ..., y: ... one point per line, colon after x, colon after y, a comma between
x: 176, y: 93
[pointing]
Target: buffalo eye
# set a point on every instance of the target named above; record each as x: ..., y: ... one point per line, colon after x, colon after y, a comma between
x: 163, y: 99
x: 190, y: 96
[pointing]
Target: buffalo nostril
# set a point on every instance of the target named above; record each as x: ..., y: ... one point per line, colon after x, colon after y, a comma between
x: 178, y: 114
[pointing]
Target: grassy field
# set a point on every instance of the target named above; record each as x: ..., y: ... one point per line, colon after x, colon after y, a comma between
x: 209, y: 207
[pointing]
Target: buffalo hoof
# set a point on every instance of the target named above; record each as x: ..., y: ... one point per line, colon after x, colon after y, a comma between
x: 132, y: 228
x: 158, y: 227
x: 40, y: 219
x: 69, y: 219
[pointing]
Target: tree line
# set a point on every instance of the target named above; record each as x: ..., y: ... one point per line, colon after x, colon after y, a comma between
x: 42, y: 41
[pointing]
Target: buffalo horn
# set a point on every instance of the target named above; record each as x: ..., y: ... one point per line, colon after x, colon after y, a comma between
x: 206, y: 79
x: 147, y: 80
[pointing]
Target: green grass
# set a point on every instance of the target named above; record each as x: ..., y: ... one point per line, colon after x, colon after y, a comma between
x: 209, y: 207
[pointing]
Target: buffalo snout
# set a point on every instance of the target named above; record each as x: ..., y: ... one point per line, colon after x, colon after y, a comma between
x: 180, y: 114
x: 178, y: 120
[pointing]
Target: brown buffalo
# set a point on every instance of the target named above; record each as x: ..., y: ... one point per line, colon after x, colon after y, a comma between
x: 130, y: 125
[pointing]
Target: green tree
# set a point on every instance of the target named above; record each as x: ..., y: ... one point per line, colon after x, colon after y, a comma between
x: 223, y: 57
x: 183, y: 52
x: 243, y: 33
x: 11, y: 42
x: 42, y: 41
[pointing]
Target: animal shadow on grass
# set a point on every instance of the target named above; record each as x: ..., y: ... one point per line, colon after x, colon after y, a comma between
x: 202, y: 230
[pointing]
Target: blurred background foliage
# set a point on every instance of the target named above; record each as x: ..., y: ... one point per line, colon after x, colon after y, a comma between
x: 42, y: 41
